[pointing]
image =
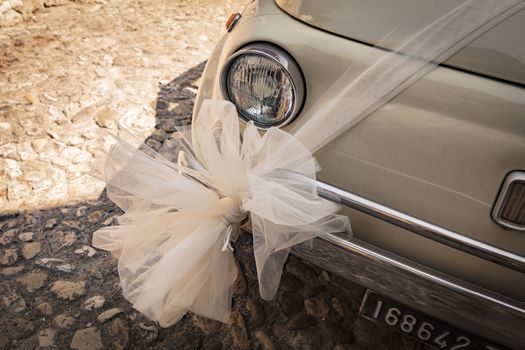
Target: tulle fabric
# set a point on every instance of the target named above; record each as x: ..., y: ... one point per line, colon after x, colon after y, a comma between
x: 173, y: 240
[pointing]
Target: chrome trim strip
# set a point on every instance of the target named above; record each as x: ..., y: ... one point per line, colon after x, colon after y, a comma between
x: 502, y: 196
x: 460, y: 303
x: 436, y: 233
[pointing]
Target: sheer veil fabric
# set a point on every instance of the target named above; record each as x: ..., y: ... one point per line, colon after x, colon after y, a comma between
x: 173, y: 240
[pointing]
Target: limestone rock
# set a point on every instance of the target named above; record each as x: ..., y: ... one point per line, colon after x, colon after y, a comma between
x: 33, y: 280
x: 39, y: 144
x: 290, y: 302
x: 108, y: 314
x: 55, y: 264
x: 300, y: 321
x: 87, y: 339
x: 317, y: 307
x: 240, y: 286
x: 45, y: 308
x: 290, y: 283
x: 86, y: 250
x: 305, y: 340
x: 119, y: 331
x: 148, y: 332
x: 239, y: 331
x: 208, y: 326
x: 8, y: 257
x: 69, y: 290
x: 64, y: 320
x: 46, y: 337
x: 14, y: 302
x: 264, y: 339
x: 7, y: 237
x: 256, y: 311
x: 107, y: 118
x: 30, y: 250
x: 94, y: 302
x: 26, y: 236
x: 9, y: 271
x: 22, y: 328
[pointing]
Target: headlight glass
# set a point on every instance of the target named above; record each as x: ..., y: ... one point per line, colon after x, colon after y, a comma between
x: 263, y: 85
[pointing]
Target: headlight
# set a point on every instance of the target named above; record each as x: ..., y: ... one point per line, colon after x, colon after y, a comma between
x: 264, y: 83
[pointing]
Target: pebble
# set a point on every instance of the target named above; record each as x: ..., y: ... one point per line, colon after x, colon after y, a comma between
x: 9, y: 257
x: 95, y: 216
x: 264, y: 339
x: 4, y: 126
x: 306, y: 341
x: 87, y: 250
x: 94, y: 302
x: 119, y: 331
x: 148, y: 332
x: 336, y: 332
x: 240, y: 286
x: 22, y: 328
x: 312, y: 291
x: 26, y: 236
x: 64, y: 321
x: 50, y: 223
x: 256, y: 311
x: 65, y: 239
x: 239, y: 331
x: 207, y: 325
x: 300, y: 321
x: 367, y: 332
x: 46, y: 337
x: 9, y: 271
x: 39, y: 144
x: 72, y: 224
x: 290, y: 302
x: 290, y: 283
x: 87, y: 339
x: 339, y: 306
x: 55, y: 264
x: 30, y: 250
x: 213, y: 345
x: 317, y: 307
x: 45, y: 308
x: 108, y: 314
x: 7, y: 237
x: 69, y: 290
x: 33, y: 280
x: 107, y: 118
x: 14, y: 302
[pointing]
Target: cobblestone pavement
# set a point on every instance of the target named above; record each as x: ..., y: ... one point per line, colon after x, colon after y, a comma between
x: 70, y: 69
x: 140, y: 63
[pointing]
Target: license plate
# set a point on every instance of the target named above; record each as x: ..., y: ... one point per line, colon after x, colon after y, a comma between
x: 420, y: 326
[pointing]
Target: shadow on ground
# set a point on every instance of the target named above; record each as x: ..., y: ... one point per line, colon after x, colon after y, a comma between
x: 58, y: 292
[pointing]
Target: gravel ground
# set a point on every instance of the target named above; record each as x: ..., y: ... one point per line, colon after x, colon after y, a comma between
x: 83, y: 66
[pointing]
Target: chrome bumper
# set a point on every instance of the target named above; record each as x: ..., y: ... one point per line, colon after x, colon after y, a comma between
x: 457, y: 302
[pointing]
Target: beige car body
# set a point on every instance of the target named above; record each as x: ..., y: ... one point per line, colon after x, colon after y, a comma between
x: 439, y: 151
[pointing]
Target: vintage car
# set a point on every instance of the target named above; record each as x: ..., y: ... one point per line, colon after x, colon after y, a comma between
x: 433, y: 181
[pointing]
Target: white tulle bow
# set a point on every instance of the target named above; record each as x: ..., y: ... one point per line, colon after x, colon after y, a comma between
x: 173, y: 240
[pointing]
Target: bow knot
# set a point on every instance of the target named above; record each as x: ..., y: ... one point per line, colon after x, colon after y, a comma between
x: 232, y: 212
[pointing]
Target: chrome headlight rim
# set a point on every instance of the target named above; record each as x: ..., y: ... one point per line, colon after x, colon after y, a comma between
x: 290, y: 68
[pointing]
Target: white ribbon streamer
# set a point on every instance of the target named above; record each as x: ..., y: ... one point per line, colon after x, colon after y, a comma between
x: 173, y: 242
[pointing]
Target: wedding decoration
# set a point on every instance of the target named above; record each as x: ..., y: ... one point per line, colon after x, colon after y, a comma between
x: 174, y: 240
